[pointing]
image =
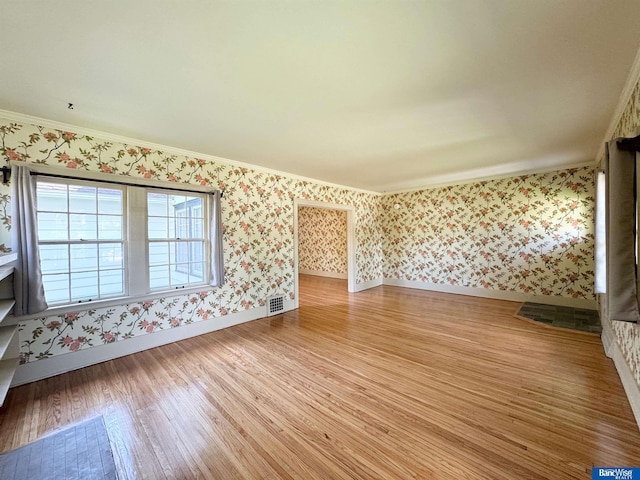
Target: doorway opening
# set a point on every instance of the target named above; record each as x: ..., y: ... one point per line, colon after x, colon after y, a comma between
x: 350, y: 240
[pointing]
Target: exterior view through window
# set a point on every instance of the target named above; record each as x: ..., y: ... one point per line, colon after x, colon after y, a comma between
x: 176, y: 240
x: 95, y: 239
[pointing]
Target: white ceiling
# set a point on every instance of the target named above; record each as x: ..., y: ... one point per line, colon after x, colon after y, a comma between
x: 380, y: 95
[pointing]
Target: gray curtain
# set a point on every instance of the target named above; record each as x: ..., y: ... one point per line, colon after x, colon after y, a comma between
x: 620, y: 174
x: 217, y: 259
x: 27, y: 278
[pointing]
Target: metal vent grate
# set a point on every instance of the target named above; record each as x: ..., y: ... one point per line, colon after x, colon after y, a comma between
x: 275, y: 305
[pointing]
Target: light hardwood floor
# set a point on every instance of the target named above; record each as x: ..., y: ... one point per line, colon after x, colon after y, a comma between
x: 389, y: 383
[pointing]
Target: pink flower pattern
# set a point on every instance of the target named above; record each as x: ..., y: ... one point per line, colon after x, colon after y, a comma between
x: 258, y: 236
x: 531, y: 234
x: 322, y: 240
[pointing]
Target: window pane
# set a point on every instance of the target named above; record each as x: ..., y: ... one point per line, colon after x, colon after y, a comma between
x: 82, y: 199
x: 84, y: 286
x: 158, y: 253
x: 179, y: 252
x: 82, y: 227
x: 68, y: 213
x: 197, y: 251
x: 111, y: 256
x: 54, y: 258
x: 158, y: 227
x: 52, y: 197
x: 180, y: 274
x: 197, y: 228
x: 56, y: 288
x: 157, y: 204
x: 179, y: 203
x: 109, y: 227
x: 84, y: 258
x: 182, y: 225
x: 196, y: 208
x: 111, y: 282
x: 159, y: 277
x: 52, y: 226
x: 110, y: 201
x: 196, y: 273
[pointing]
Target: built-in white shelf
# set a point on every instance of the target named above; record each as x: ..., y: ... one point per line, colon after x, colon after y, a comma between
x: 6, y: 258
x: 9, y: 342
x: 6, y: 335
x: 7, y: 369
x: 5, y: 308
x: 5, y: 272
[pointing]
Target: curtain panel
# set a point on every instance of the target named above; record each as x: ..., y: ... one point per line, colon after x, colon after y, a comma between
x: 28, y: 287
x: 620, y: 219
x: 215, y: 224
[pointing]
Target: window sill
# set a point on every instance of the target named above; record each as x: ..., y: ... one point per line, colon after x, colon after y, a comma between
x: 107, y: 302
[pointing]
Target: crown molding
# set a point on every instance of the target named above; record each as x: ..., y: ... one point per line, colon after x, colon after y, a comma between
x: 485, y: 174
x: 625, y: 96
x: 459, y: 178
x: 43, y: 122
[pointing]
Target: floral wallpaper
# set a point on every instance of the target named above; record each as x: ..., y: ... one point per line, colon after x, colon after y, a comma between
x: 531, y: 234
x: 322, y: 240
x: 257, y: 211
x: 527, y: 234
x: 628, y: 334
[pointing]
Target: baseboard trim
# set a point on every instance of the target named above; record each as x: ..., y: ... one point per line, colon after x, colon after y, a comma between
x: 49, y: 367
x: 496, y: 294
x: 612, y: 350
x: 367, y: 285
x: 319, y: 273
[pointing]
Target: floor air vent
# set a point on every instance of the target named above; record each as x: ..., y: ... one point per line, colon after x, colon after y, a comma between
x: 275, y: 305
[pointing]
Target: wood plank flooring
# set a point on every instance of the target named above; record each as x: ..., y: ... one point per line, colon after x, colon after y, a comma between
x: 389, y: 383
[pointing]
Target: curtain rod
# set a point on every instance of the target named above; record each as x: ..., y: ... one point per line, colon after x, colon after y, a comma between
x: 630, y: 144
x: 6, y: 173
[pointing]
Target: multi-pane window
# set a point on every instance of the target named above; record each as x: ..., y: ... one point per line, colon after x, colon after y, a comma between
x: 81, y: 237
x: 176, y: 240
x: 99, y: 241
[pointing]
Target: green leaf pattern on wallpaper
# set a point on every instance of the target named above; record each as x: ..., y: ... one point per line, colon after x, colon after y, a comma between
x: 322, y: 240
x: 257, y: 213
x: 530, y: 234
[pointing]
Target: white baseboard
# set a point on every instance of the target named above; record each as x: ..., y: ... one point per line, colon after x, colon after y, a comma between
x: 49, y: 367
x: 497, y: 294
x: 612, y: 350
x: 318, y: 273
x: 608, y: 337
x: 367, y: 285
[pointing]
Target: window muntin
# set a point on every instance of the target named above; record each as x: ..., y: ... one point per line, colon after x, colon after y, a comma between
x: 95, y: 243
x: 81, y: 241
x: 176, y: 240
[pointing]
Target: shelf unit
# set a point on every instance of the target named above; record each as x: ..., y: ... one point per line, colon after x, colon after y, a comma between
x: 9, y: 343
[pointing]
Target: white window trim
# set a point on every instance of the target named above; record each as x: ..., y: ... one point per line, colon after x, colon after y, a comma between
x: 110, y: 177
x: 132, y: 297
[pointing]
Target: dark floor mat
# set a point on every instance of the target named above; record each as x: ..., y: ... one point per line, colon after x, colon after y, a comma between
x: 80, y: 452
x: 563, y: 317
